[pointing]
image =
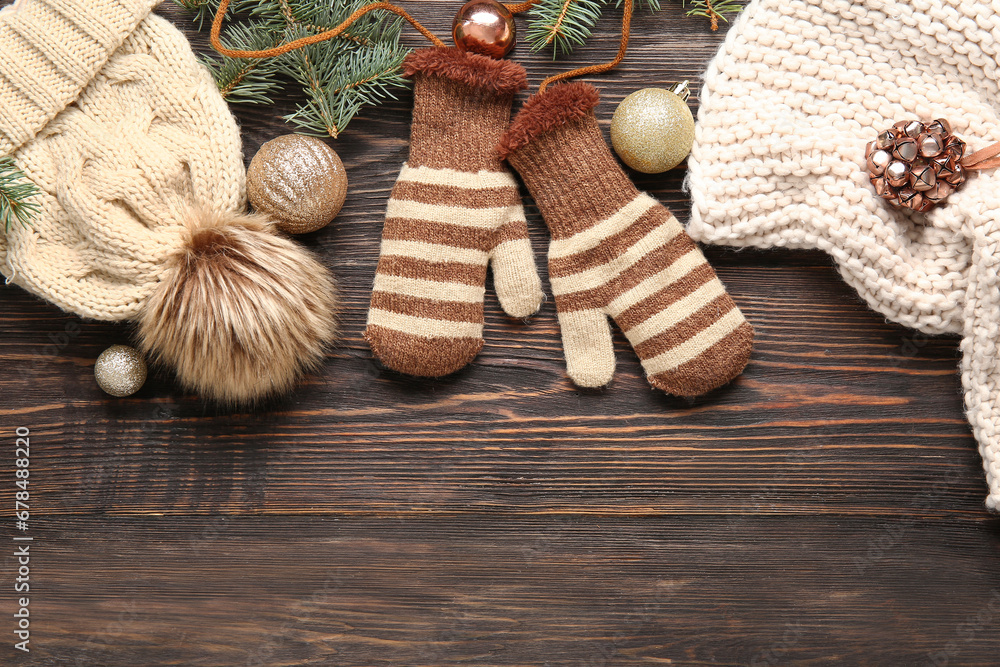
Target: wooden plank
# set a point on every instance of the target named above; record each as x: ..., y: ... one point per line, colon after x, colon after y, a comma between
x: 837, y: 413
x: 501, y: 590
x: 826, y: 508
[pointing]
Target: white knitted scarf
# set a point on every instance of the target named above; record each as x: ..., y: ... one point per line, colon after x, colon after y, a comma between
x: 790, y: 102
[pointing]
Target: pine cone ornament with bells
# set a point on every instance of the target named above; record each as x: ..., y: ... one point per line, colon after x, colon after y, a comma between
x: 916, y: 166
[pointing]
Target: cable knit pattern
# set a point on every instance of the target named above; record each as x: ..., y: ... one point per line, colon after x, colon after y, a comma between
x: 794, y: 95
x: 129, y: 133
x: 49, y: 49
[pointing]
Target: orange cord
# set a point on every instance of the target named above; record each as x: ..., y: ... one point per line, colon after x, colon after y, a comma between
x: 333, y: 32
x: 220, y: 15
x: 312, y: 39
x: 603, y: 67
x: 522, y: 7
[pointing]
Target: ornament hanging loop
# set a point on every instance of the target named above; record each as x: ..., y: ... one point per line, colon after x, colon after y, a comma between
x: 985, y: 158
x: 220, y: 14
x: 682, y: 90
x: 603, y: 67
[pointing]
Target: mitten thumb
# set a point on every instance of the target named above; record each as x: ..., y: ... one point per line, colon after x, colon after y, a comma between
x: 588, y: 346
x: 515, y: 275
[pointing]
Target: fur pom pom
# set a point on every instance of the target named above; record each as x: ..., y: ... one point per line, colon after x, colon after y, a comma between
x: 241, y: 312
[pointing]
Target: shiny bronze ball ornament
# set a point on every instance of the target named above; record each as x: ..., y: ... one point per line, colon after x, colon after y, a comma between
x: 298, y: 181
x: 485, y: 27
x: 915, y: 165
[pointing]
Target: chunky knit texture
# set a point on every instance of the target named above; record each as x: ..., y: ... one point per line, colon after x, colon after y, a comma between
x: 794, y: 95
x: 106, y: 109
x: 618, y: 252
x: 121, y: 155
x: 453, y: 210
x: 50, y: 50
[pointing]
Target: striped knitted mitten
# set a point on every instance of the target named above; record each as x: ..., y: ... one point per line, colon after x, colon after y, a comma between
x: 618, y: 252
x: 453, y: 209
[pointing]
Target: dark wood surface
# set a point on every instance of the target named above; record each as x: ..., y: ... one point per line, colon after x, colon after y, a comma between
x: 824, y: 509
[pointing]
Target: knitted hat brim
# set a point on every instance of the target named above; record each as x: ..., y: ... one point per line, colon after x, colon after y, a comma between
x: 779, y: 155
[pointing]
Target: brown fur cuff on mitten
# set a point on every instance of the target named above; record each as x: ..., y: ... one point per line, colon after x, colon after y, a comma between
x: 461, y: 106
x: 501, y: 77
x: 547, y: 111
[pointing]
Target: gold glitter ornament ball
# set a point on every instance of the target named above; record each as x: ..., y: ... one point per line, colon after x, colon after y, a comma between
x: 299, y: 181
x: 653, y: 129
x: 120, y: 370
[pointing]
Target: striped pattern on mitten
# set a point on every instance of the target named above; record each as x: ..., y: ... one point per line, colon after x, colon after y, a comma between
x: 453, y: 211
x: 617, y: 252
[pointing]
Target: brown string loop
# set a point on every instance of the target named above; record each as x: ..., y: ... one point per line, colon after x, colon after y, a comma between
x: 282, y: 49
x: 603, y: 67
x: 312, y: 39
x: 521, y: 7
x: 985, y: 158
x: 333, y: 32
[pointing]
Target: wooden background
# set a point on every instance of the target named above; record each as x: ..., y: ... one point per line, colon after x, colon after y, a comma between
x: 824, y: 509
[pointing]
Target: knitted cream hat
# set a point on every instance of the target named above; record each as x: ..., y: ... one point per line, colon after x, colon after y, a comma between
x: 106, y: 109
x: 790, y: 102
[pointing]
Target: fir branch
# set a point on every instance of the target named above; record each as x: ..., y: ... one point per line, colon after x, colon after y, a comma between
x: 562, y: 24
x: 245, y: 80
x: 204, y: 10
x: 316, y: 17
x: 714, y: 10
x: 340, y: 81
x: 339, y: 76
x: 16, y: 193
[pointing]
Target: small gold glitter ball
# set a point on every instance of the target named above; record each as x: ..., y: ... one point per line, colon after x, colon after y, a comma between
x: 653, y: 129
x: 299, y: 181
x: 120, y: 370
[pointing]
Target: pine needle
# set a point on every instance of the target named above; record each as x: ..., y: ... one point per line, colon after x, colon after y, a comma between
x: 337, y: 78
x: 714, y: 10
x: 651, y: 5
x: 565, y: 24
x: 245, y: 80
x: 340, y: 82
x: 562, y: 24
x: 204, y: 10
x: 361, y: 66
x: 16, y: 193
